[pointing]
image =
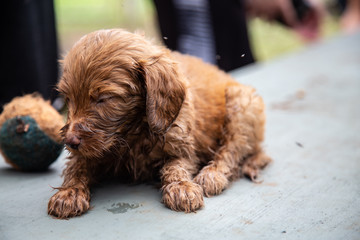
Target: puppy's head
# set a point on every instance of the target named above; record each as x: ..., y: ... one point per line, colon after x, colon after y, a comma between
x: 117, y: 84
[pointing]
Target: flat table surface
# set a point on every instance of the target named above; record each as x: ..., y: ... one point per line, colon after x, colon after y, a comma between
x: 310, y: 191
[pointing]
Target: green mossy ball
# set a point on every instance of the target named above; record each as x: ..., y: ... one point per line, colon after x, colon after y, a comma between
x: 30, y: 133
x: 28, y: 147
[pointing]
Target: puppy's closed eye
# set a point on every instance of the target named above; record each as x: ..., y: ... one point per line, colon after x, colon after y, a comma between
x: 103, y: 100
x: 106, y: 99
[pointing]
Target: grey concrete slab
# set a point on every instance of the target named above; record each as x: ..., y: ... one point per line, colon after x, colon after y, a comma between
x: 310, y: 191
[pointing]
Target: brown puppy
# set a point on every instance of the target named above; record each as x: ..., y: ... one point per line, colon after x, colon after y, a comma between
x: 139, y: 111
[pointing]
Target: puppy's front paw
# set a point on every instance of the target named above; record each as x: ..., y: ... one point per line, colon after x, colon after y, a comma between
x: 183, y: 196
x: 212, y: 181
x: 69, y: 202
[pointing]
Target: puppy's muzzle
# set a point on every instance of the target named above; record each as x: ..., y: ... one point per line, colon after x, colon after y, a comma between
x: 73, y: 141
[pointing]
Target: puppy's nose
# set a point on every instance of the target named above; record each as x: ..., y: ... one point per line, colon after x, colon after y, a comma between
x: 73, y: 141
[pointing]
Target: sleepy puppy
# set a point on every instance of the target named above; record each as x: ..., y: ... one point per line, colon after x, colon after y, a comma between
x: 139, y: 111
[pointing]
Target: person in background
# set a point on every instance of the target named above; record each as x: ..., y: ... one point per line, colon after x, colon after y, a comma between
x: 216, y: 31
x: 29, y: 52
x: 350, y: 19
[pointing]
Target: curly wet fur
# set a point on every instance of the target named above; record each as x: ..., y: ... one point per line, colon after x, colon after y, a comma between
x: 140, y: 111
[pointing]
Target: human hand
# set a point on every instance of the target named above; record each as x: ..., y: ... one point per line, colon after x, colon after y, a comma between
x: 302, y: 16
x: 271, y: 10
x: 309, y: 23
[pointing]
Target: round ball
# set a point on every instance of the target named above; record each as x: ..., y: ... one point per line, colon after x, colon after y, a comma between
x: 26, y: 146
x: 30, y: 133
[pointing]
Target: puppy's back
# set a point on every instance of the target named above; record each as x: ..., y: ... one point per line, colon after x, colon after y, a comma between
x: 208, y: 86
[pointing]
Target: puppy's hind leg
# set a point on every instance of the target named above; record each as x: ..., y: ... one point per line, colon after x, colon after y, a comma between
x: 243, y: 134
x: 253, y: 164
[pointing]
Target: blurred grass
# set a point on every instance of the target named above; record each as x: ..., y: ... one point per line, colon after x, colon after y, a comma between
x: 270, y: 40
x: 75, y: 18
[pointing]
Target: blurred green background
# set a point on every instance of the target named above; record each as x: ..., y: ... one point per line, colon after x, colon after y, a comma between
x: 75, y: 18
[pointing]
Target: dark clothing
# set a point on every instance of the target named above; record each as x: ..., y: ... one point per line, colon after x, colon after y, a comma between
x: 28, y: 49
x: 229, y: 30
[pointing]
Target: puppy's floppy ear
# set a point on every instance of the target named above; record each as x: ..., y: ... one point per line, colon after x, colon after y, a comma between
x: 165, y: 92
